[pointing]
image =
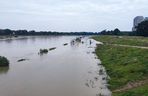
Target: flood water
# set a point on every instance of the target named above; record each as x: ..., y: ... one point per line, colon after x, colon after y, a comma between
x: 70, y: 70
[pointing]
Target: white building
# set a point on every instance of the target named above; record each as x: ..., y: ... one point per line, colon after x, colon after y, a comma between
x: 138, y: 20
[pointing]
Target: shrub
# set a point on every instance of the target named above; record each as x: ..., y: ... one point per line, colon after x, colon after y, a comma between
x: 4, y: 61
x: 43, y: 51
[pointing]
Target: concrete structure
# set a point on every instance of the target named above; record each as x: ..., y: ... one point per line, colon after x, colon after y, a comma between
x: 138, y: 20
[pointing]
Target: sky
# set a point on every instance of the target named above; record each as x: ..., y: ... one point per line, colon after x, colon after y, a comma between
x: 71, y: 15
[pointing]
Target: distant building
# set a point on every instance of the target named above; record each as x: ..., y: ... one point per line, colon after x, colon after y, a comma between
x: 146, y: 18
x: 138, y: 20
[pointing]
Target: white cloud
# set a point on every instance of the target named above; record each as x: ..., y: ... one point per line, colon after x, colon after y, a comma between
x: 63, y: 15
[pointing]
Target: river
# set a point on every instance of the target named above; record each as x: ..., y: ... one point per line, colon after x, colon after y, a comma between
x: 70, y: 70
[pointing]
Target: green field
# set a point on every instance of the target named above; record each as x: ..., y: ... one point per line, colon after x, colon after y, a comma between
x: 124, y: 64
x: 123, y: 40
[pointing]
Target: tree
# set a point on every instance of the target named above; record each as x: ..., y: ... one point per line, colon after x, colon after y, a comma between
x: 6, y: 32
x: 3, y: 61
x: 103, y: 32
x: 116, y: 31
x: 142, y: 29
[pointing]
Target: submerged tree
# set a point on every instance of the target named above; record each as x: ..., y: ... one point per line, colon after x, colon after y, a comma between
x: 3, y: 61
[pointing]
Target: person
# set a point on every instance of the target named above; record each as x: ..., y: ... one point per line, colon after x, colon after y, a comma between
x: 90, y: 42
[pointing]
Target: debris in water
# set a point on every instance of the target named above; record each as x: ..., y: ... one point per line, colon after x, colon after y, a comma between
x: 101, y: 72
x: 103, y: 78
x: 20, y: 60
x: 52, y: 48
x: 65, y: 44
x: 96, y: 78
x: 87, y: 84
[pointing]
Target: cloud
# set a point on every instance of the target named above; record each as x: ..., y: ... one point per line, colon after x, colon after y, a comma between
x: 62, y: 15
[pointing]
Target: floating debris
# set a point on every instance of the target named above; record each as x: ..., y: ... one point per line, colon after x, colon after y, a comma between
x: 52, y: 48
x: 20, y: 60
x: 99, y: 64
x: 101, y: 72
x: 65, y: 44
x: 96, y: 78
x: 103, y: 78
x: 89, y: 72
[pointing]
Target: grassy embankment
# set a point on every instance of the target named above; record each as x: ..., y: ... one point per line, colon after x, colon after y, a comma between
x: 126, y: 66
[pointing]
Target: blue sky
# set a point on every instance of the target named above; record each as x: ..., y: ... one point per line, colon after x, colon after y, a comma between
x: 70, y: 15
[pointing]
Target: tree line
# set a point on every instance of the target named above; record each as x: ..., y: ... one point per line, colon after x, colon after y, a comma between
x: 33, y: 32
x: 141, y: 30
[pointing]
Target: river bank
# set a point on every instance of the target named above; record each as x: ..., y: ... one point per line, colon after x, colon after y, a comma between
x: 126, y: 61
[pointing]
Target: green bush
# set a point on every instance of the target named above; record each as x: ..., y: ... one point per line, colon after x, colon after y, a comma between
x: 3, y: 61
x: 42, y: 51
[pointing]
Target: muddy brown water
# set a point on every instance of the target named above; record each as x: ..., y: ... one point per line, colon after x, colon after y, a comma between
x: 70, y: 70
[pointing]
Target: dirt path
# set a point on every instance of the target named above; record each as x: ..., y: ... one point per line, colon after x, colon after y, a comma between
x: 131, y: 85
x: 130, y: 46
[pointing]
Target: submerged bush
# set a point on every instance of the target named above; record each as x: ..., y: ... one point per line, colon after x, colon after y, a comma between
x: 43, y: 51
x: 78, y: 39
x: 4, y: 61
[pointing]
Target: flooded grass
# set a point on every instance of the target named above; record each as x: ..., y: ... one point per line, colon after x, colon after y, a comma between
x: 123, y: 40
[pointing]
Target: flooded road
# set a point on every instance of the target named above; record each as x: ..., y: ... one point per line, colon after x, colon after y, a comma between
x: 69, y: 70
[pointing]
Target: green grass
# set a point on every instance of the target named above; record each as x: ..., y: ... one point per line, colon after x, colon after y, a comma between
x: 124, y: 64
x: 123, y: 40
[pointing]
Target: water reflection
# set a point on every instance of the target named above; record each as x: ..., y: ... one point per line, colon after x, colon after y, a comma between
x: 4, y: 70
x: 8, y: 40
